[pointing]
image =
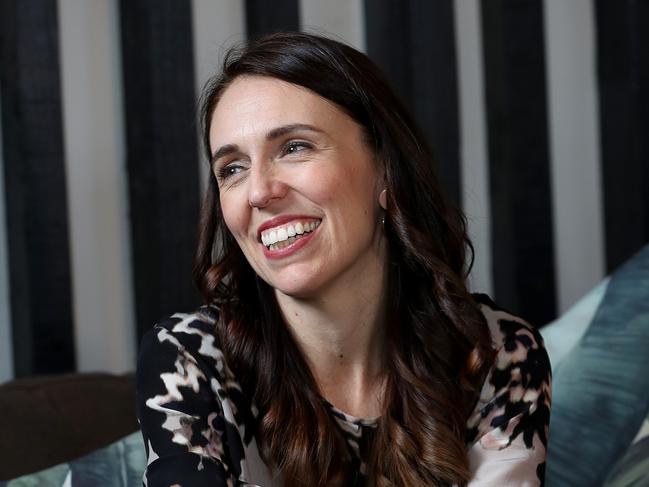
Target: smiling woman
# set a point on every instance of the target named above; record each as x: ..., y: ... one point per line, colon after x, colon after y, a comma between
x: 297, y: 160
x: 338, y: 343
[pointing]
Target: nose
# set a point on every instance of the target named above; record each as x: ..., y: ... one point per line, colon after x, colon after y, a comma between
x: 264, y: 186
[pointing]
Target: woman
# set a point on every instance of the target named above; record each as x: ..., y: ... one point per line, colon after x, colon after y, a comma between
x: 338, y: 344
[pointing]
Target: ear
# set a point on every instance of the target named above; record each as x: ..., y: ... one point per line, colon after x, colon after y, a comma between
x: 383, y: 199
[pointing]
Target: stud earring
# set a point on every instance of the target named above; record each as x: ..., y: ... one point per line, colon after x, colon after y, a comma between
x: 383, y: 202
x: 383, y: 199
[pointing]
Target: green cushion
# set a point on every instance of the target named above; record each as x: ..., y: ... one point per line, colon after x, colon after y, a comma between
x: 632, y: 470
x: 601, y: 388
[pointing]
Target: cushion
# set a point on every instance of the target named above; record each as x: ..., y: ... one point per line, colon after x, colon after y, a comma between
x: 561, y: 335
x: 601, y: 385
x: 632, y: 470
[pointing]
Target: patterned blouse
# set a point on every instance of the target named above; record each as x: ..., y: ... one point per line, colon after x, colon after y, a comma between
x: 198, y: 426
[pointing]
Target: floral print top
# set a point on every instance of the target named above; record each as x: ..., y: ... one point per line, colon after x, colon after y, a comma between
x: 198, y: 426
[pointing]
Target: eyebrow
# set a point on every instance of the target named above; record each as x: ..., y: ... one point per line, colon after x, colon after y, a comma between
x: 224, y: 151
x: 287, y: 129
x: 271, y: 135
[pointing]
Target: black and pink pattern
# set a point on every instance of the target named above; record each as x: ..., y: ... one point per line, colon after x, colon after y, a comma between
x: 198, y: 426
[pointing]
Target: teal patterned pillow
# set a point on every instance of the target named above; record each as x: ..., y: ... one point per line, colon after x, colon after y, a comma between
x: 120, y: 464
x: 633, y: 469
x: 601, y: 389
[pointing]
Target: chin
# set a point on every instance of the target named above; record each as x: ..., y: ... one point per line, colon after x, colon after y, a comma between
x: 301, y: 281
x: 298, y: 289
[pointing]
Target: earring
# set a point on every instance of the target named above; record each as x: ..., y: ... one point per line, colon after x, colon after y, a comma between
x: 383, y: 199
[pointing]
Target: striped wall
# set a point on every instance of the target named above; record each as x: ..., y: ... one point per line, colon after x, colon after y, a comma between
x: 537, y: 111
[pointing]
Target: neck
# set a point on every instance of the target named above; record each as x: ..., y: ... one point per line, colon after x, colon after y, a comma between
x: 341, y: 334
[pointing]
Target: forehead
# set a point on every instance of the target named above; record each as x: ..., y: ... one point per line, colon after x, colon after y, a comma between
x: 259, y: 103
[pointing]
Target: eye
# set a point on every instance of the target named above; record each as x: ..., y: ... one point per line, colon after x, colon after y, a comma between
x: 228, y: 171
x: 294, y: 146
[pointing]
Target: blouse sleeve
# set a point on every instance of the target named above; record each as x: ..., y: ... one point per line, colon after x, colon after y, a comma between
x: 509, y: 427
x: 180, y: 415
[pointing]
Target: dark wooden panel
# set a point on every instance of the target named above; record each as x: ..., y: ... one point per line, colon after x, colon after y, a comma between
x: 264, y: 17
x: 521, y: 205
x: 414, y: 43
x: 162, y: 155
x: 36, y: 203
x: 623, y: 75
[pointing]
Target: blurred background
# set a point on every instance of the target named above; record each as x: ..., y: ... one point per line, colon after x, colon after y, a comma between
x: 538, y: 112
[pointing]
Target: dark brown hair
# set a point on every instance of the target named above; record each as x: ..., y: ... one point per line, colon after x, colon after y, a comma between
x: 438, y: 344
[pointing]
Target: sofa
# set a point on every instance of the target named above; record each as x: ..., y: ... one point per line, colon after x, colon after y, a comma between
x: 48, y: 421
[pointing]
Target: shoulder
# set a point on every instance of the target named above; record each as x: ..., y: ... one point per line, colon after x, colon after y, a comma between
x: 519, y: 382
x: 181, y: 358
x: 190, y: 334
x: 514, y: 339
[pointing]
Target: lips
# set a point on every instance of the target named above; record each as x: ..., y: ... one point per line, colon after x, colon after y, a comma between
x: 283, y: 222
x: 284, y: 236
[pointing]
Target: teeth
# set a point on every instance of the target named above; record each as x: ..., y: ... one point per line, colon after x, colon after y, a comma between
x: 282, y: 236
x: 282, y: 244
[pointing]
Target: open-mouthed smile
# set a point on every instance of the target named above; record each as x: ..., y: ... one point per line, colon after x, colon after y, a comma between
x: 284, y: 235
x: 284, y: 238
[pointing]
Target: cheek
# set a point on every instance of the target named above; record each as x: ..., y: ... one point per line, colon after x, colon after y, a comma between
x: 233, y: 215
x: 352, y: 190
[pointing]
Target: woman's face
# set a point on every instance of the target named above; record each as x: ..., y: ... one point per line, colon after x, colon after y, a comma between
x: 298, y: 186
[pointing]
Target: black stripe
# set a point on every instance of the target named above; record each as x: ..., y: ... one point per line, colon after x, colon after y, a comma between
x: 162, y: 156
x: 264, y: 17
x: 623, y: 75
x: 36, y: 204
x: 414, y: 43
x: 521, y: 206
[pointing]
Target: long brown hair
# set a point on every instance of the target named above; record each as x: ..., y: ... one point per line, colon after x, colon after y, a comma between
x: 439, y: 346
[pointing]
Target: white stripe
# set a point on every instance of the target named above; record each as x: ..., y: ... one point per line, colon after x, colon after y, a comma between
x: 217, y: 25
x: 574, y: 144
x: 474, y: 165
x: 96, y: 181
x: 343, y: 20
x: 6, y: 348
